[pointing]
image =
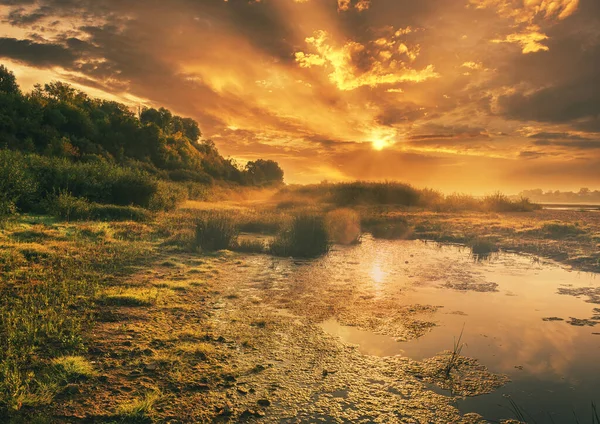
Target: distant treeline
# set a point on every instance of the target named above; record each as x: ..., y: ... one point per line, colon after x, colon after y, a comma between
x: 583, y: 196
x: 56, y: 140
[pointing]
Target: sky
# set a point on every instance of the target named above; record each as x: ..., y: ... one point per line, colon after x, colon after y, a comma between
x: 457, y: 95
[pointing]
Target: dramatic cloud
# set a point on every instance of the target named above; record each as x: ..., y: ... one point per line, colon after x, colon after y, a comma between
x: 472, y: 95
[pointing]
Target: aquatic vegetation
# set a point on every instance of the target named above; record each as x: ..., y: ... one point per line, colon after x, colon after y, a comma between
x: 305, y: 237
x: 454, y: 355
x: 483, y: 246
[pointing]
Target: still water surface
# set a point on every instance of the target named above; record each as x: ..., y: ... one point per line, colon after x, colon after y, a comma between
x: 509, y: 307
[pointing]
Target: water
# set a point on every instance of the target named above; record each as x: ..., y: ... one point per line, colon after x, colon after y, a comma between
x: 554, y: 365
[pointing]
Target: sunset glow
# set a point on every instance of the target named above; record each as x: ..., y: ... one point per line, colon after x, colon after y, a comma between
x: 462, y: 95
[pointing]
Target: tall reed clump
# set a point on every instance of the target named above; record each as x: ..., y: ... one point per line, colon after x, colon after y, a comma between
x: 343, y: 226
x: 215, y: 231
x: 306, y: 237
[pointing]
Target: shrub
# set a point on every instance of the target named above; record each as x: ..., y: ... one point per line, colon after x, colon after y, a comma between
x: 343, y: 226
x: 16, y: 183
x: 215, y: 231
x: 167, y: 196
x: 70, y: 208
x: 306, y: 237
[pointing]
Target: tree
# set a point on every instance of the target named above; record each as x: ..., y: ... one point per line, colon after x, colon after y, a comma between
x: 265, y: 172
x: 8, y: 82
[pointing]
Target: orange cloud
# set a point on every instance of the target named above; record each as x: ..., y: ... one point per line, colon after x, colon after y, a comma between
x: 386, y: 67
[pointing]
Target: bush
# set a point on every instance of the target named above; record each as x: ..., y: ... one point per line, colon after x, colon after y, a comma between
x: 215, y: 232
x: 17, y: 185
x: 306, y: 237
x: 167, y: 196
x: 343, y: 226
x: 99, y: 181
x: 70, y: 208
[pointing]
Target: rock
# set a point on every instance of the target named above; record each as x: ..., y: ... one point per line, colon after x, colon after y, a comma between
x: 264, y: 402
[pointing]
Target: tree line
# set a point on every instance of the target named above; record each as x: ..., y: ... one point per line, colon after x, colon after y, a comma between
x: 57, y: 120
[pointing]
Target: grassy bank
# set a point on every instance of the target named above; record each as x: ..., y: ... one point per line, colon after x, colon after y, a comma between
x: 62, y: 281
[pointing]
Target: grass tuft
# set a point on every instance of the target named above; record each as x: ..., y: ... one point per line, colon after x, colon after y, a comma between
x: 306, y: 237
x: 483, y: 247
x: 215, y: 231
x: 139, y: 410
x: 72, y: 368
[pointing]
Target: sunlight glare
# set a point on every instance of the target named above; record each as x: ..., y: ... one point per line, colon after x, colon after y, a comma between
x: 379, y: 144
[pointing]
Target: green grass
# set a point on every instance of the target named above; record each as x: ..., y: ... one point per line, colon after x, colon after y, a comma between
x: 47, y: 297
x: 130, y: 297
x: 139, y: 410
x: 72, y: 368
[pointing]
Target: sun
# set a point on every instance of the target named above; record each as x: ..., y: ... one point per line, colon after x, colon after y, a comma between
x: 379, y: 144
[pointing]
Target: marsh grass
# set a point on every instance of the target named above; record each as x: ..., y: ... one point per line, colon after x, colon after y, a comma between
x: 560, y: 230
x: 399, y: 195
x: 47, y: 297
x: 483, y: 247
x: 215, y: 231
x: 306, y: 237
x: 343, y: 226
x: 453, y: 360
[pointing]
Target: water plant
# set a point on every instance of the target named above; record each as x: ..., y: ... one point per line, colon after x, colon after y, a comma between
x: 453, y: 360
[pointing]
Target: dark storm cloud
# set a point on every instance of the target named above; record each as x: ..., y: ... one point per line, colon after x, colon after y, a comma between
x: 37, y: 54
x: 562, y: 103
x: 576, y: 145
